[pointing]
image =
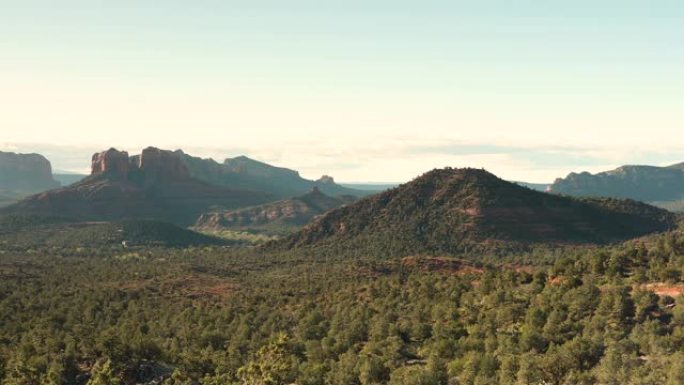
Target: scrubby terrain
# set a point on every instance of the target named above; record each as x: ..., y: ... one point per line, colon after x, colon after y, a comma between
x: 612, y: 315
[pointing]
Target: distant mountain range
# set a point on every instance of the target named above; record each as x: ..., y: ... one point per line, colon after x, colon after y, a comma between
x: 663, y: 186
x: 249, y: 174
x: 442, y: 211
x: 166, y: 185
x: 276, y: 218
x: 461, y: 210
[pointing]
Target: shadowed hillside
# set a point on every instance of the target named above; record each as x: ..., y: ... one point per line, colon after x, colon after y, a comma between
x: 663, y: 186
x: 279, y: 217
x: 17, y: 232
x: 22, y: 175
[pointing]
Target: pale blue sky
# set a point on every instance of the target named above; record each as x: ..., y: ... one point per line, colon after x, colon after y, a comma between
x: 363, y: 90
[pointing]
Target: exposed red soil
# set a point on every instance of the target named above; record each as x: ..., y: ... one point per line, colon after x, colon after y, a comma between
x: 191, y: 285
x: 662, y: 289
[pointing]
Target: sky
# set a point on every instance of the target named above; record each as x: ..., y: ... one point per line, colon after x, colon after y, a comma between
x: 366, y: 91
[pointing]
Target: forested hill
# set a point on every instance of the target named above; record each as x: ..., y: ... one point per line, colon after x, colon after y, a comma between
x: 456, y: 210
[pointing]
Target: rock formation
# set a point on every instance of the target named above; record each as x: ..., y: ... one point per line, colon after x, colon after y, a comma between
x: 325, y: 179
x: 112, y: 162
x: 152, y: 162
x: 156, y: 163
x: 25, y: 173
x: 153, y: 185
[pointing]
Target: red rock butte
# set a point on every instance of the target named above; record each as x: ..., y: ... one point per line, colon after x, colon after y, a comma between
x: 152, y: 161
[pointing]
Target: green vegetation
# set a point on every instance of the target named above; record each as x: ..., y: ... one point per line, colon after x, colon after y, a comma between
x: 457, y: 278
x: 243, y: 316
x: 244, y: 237
x: 21, y: 232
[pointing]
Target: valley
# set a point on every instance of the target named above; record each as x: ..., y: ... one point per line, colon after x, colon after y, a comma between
x: 162, y: 268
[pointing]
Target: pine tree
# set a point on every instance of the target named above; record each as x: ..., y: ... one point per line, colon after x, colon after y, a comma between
x: 273, y: 364
x: 103, y: 374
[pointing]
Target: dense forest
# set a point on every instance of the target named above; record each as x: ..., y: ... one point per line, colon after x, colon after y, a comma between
x: 219, y: 315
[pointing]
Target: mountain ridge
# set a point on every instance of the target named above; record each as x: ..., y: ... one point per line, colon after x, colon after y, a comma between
x: 249, y: 174
x: 639, y: 182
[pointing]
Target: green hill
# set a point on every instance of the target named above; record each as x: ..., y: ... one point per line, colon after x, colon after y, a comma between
x: 461, y: 210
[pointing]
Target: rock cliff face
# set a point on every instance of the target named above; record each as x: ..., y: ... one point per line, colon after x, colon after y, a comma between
x: 113, y: 163
x: 156, y: 163
x: 25, y: 173
x: 153, y: 163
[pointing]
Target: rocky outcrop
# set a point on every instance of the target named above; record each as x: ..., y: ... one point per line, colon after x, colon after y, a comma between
x: 25, y: 173
x: 276, y: 218
x: 153, y: 163
x: 162, y: 164
x: 112, y: 162
x: 325, y: 180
